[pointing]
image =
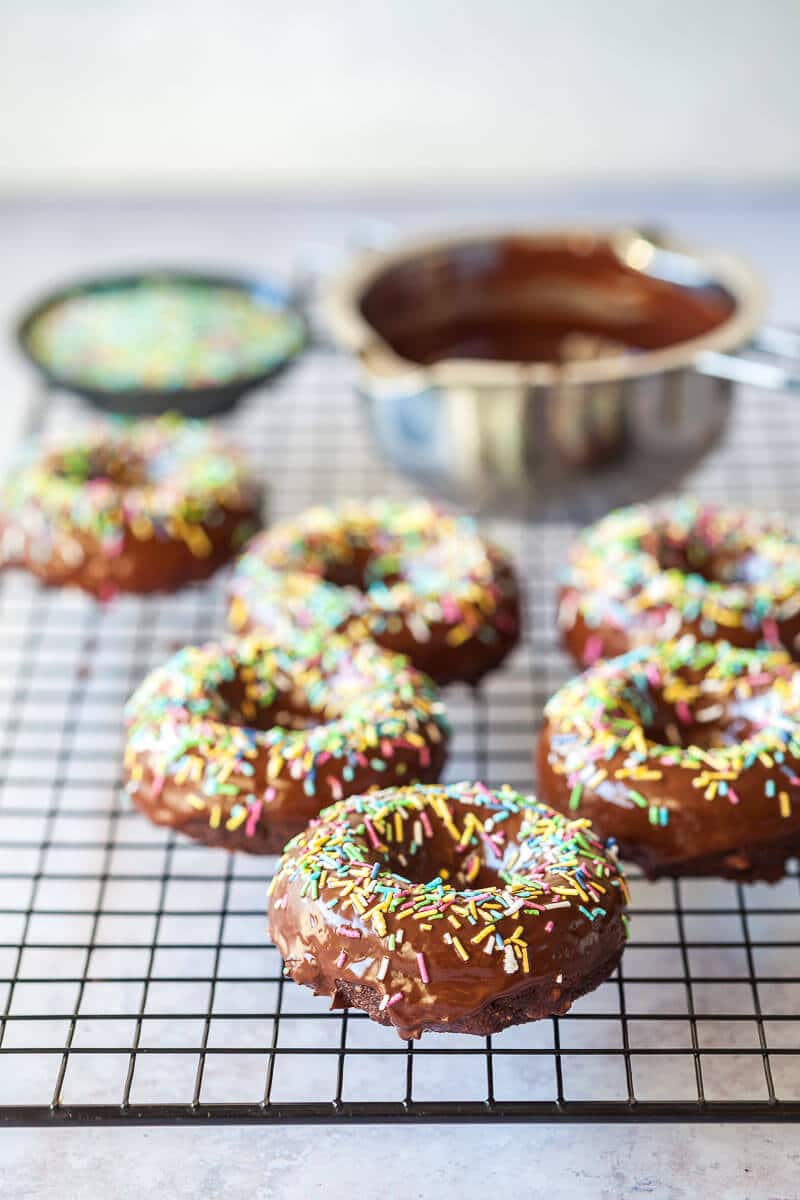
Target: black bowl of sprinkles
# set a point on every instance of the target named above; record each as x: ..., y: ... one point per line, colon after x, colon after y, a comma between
x: 143, y: 343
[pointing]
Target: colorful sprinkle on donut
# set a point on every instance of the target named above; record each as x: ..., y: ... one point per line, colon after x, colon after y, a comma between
x: 241, y: 743
x: 687, y: 753
x: 655, y: 572
x: 408, y: 575
x: 448, y: 907
x: 143, y: 506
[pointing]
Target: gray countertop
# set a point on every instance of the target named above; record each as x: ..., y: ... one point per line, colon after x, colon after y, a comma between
x: 44, y: 242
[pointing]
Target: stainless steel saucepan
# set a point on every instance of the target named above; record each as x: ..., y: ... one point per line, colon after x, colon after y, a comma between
x: 515, y: 369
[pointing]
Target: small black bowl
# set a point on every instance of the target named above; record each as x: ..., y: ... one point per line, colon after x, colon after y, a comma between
x: 203, y: 401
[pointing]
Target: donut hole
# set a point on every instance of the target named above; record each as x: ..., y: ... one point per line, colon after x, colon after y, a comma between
x: 465, y: 865
x: 361, y: 566
x: 287, y: 709
x: 102, y: 463
x: 711, y: 722
x: 691, y: 554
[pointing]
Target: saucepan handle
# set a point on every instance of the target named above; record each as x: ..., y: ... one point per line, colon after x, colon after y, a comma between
x: 770, y: 360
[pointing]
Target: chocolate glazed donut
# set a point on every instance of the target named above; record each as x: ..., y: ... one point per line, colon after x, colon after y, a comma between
x: 448, y: 908
x: 240, y: 744
x: 407, y: 575
x: 656, y: 572
x: 140, y: 508
x: 688, y: 754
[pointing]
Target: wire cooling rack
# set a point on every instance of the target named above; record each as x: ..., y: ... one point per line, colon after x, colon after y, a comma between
x: 136, y: 979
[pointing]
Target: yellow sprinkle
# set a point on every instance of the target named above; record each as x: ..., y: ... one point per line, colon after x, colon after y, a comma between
x: 238, y: 614
x: 378, y: 923
x: 141, y: 527
x: 460, y: 951
x: 458, y: 635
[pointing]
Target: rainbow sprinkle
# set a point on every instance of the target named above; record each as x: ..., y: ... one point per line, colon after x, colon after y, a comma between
x: 380, y: 568
x: 240, y: 723
x: 540, y: 873
x: 736, y: 726
x: 147, y: 481
x: 655, y: 572
x: 163, y: 335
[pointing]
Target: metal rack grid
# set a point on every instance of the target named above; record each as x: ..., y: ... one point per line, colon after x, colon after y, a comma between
x: 136, y: 981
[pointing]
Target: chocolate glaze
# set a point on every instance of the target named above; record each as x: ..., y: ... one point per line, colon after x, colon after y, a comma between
x: 288, y: 812
x: 538, y: 1000
x: 473, y: 658
x: 749, y: 839
x: 608, y: 639
x: 601, y: 613
x: 698, y: 835
x: 155, y: 565
x: 219, y: 714
x: 267, y: 592
x: 521, y: 299
x: 344, y: 954
x: 436, y: 656
x: 128, y: 508
x: 764, y: 862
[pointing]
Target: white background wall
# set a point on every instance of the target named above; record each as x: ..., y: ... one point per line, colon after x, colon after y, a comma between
x: 253, y: 93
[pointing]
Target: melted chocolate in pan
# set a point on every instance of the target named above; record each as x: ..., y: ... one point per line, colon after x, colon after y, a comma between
x: 533, y: 300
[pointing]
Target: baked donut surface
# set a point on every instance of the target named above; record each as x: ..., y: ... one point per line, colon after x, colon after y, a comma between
x: 141, y: 507
x: 408, y: 575
x: 240, y: 744
x: 655, y: 572
x: 450, y: 908
x: 687, y: 753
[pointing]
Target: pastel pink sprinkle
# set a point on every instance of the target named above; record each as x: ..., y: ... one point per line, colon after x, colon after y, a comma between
x: 450, y: 610
x: 771, y: 631
x: 253, y: 817
x: 592, y: 650
x: 423, y: 968
x: 371, y: 834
